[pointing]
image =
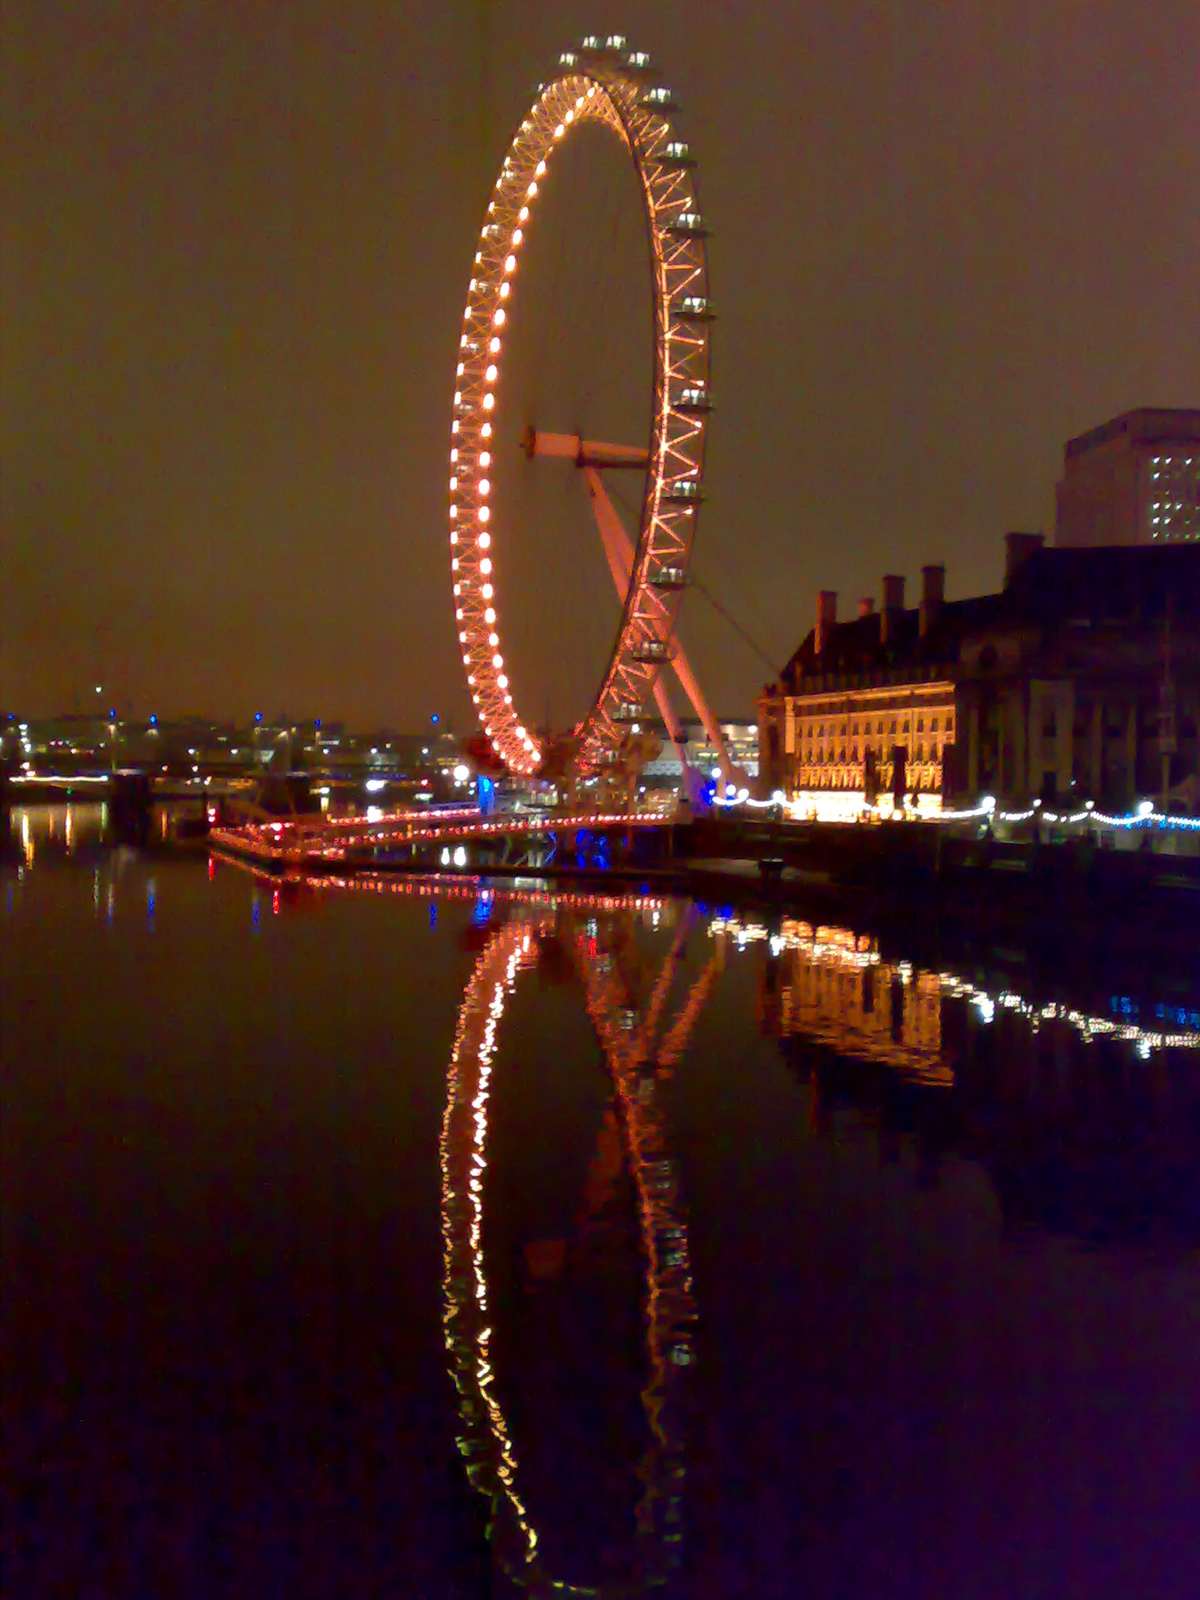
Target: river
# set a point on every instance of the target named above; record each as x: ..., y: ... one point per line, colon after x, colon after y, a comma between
x: 409, y: 1239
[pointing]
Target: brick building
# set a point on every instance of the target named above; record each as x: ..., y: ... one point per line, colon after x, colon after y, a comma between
x: 1080, y: 679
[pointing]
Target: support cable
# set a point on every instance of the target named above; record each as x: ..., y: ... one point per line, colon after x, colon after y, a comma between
x: 693, y: 582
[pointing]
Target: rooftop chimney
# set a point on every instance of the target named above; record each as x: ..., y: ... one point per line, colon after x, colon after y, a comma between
x: 1018, y: 547
x: 826, y: 619
x: 933, y: 593
x: 893, y: 601
x: 866, y: 606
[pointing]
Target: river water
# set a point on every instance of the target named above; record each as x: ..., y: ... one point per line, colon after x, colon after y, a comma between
x: 395, y: 1240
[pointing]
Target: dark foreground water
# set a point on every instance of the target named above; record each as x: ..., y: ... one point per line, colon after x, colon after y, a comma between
x: 374, y: 1242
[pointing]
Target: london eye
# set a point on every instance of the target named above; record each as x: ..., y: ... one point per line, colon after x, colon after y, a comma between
x: 604, y: 82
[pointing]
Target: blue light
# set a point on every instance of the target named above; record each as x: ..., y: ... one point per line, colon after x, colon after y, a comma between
x: 153, y: 720
x: 258, y: 716
x: 435, y: 717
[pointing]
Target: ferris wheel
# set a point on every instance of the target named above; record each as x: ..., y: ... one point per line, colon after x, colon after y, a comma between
x: 605, y: 82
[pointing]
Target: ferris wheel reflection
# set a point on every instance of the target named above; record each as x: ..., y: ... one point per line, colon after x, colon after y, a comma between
x: 641, y: 1045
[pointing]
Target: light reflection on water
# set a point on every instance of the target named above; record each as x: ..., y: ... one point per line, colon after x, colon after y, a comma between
x: 850, y: 1178
x: 639, y: 1052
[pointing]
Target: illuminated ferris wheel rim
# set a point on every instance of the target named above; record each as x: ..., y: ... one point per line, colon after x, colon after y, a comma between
x: 602, y: 81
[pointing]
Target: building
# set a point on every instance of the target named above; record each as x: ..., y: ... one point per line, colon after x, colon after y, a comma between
x: 741, y: 743
x: 1079, y: 680
x: 1134, y: 480
x: 867, y: 707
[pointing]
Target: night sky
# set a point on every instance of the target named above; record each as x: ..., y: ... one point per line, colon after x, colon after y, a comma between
x: 235, y: 248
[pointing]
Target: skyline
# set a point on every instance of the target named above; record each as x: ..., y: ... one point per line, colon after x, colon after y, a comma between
x: 234, y: 269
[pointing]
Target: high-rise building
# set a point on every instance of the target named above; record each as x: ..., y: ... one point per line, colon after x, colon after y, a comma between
x: 1134, y: 480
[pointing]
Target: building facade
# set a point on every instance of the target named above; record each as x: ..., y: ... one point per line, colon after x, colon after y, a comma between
x: 1079, y: 680
x: 866, y: 708
x: 1132, y: 480
x: 741, y: 743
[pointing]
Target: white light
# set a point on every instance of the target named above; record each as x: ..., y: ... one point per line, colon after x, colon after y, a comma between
x: 715, y: 773
x: 540, y: 169
x: 460, y: 856
x: 492, y: 373
x: 1145, y: 807
x: 510, y: 264
x: 498, y: 317
x: 485, y: 487
x: 778, y: 796
x: 484, y: 514
x: 461, y: 773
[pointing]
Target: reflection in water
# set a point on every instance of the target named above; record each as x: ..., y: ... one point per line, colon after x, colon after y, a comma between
x: 609, y: 966
x: 1086, y: 1125
x: 944, y: 1223
x: 832, y: 985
